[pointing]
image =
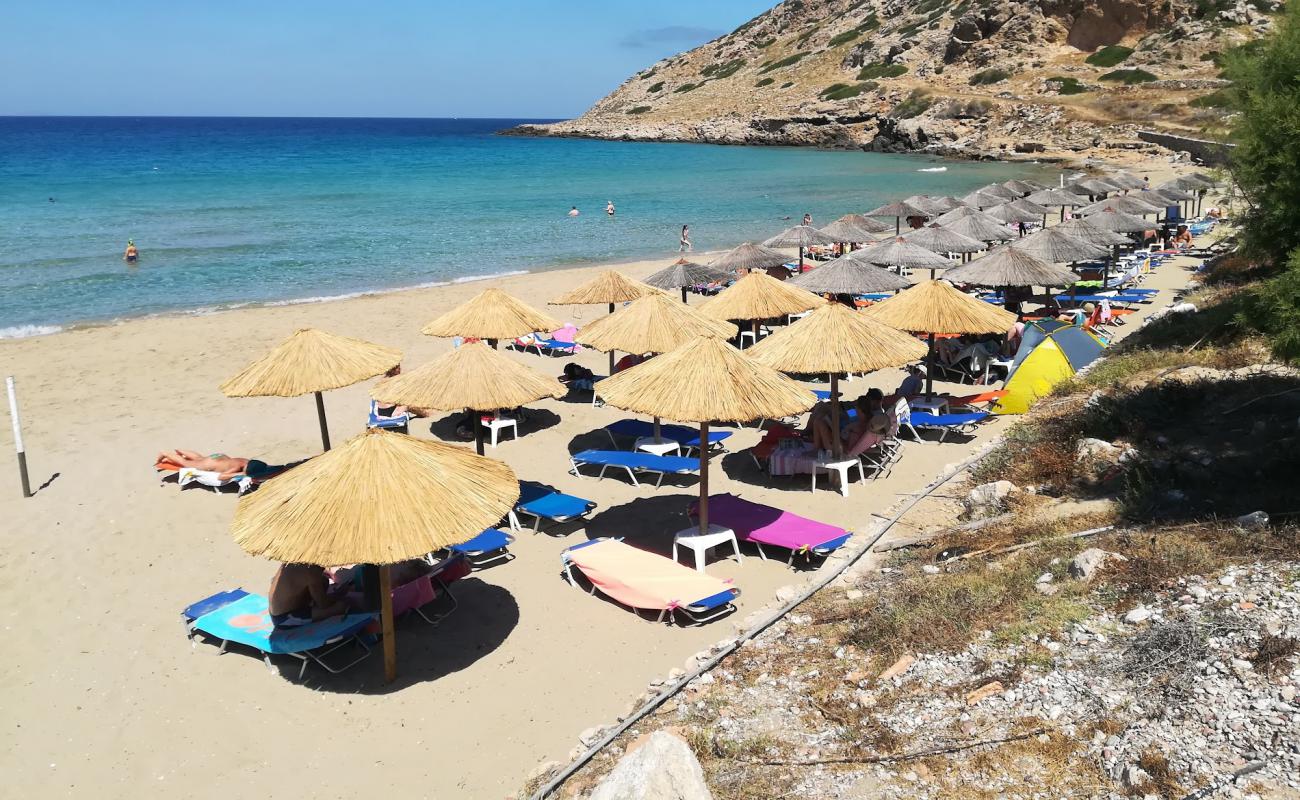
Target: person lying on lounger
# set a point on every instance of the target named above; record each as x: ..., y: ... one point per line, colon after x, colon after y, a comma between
x: 225, y: 466
x: 300, y: 595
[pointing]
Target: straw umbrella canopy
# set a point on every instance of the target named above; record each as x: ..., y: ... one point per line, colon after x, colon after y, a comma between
x: 948, y: 203
x: 800, y: 236
x: 941, y: 240
x: 1021, y: 188
x: 1127, y: 203
x: 472, y: 376
x: 755, y: 297
x: 607, y: 287
x: 1126, y: 180
x: 1059, y: 247
x: 897, y: 211
x: 1010, y: 266
x: 934, y: 307
x: 682, y: 274
x: 855, y: 229
x: 930, y: 205
x: 849, y: 275
x: 1057, y: 197
x: 960, y: 212
x: 1083, y: 228
x: 982, y: 199
x: 981, y: 226
x: 491, y: 315
x: 1117, y: 221
x: 705, y: 380
x: 1013, y: 213
x: 1001, y: 191
x: 899, y: 252
x: 1094, y: 186
x: 749, y: 256
x: 380, y: 498
x: 835, y: 339
x: 312, y: 361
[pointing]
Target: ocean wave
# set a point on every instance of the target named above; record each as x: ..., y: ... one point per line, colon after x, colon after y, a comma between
x: 492, y: 277
x: 933, y: 169
x: 26, y: 331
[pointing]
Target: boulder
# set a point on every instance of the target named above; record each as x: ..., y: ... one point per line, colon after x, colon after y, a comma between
x: 664, y: 768
x: 1086, y: 564
x: 990, y: 498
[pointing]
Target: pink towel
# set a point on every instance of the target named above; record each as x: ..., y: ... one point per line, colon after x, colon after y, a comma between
x: 641, y: 579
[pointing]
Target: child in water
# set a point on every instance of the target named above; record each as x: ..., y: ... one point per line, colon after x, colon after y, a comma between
x: 131, y: 253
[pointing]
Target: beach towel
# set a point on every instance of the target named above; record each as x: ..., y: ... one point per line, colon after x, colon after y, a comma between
x: 641, y: 579
x: 247, y: 622
x: 755, y: 522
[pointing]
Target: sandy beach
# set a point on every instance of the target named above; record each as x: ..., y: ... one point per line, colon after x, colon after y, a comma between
x: 101, y: 690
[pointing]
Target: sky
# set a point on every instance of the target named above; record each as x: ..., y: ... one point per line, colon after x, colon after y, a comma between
x: 404, y: 58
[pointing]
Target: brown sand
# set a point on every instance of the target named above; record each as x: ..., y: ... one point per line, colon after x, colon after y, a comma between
x: 102, y: 693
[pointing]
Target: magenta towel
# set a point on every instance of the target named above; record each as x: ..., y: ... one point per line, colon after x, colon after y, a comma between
x: 756, y: 522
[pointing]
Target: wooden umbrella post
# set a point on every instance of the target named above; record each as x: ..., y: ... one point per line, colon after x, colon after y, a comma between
x: 611, y: 352
x: 478, y: 430
x: 683, y: 294
x: 658, y: 440
x: 835, y: 415
x: 386, y: 623
x: 324, y: 427
x: 929, y: 369
x: 704, y: 478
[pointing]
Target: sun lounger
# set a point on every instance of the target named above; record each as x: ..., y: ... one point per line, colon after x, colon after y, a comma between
x: 208, y: 604
x: 947, y: 423
x: 633, y: 463
x: 643, y: 580
x: 765, y: 525
x: 488, y: 547
x: 397, y: 423
x: 688, y: 438
x: 977, y: 402
x: 245, y: 621
x: 541, y: 502
x: 255, y: 473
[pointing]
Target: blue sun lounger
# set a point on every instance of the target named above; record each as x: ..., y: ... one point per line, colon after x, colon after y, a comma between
x: 246, y: 621
x: 489, y: 546
x: 541, y: 502
x: 634, y: 463
x: 947, y: 423
x: 207, y: 605
x: 688, y: 438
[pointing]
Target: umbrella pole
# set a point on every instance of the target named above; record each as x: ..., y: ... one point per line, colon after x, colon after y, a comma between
x: 799, y: 268
x: 835, y: 415
x: 657, y: 439
x: 929, y: 369
x: 704, y: 478
x: 1044, y: 222
x: 611, y: 362
x: 478, y: 430
x: 386, y: 620
x: 898, y: 226
x: 324, y: 428
x: 683, y: 294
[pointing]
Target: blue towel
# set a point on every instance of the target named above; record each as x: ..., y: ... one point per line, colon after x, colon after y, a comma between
x: 246, y: 622
x: 642, y: 461
x: 210, y: 604
x: 486, y: 542
x: 542, y: 502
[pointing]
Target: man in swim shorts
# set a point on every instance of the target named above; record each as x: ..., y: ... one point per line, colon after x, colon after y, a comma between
x: 300, y: 595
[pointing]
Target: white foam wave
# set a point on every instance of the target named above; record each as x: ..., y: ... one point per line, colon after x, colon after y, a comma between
x: 492, y: 277
x: 26, y: 331
x: 933, y: 169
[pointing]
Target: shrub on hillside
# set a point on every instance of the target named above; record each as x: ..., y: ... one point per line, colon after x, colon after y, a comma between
x: 986, y: 76
x: 654, y: 87
x: 1109, y: 56
x: 843, y: 91
x: 913, y: 105
x: 873, y: 71
x: 1129, y: 77
x: 638, y: 110
x: 1067, y: 85
x: 766, y: 82
x: 782, y: 62
x: 687, y: 87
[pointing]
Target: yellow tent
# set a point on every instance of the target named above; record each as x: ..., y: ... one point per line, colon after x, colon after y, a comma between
x: 1050, y: 352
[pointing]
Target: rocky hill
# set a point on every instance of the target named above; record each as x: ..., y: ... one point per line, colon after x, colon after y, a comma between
x: 971, y: 78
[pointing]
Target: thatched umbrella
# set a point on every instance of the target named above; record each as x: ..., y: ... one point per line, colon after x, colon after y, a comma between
x: 898, y: 211
x: 1021, y: 188
x: 312, y: 361
x: 980, y: 226
x: 1010, y: 266
x: 703, y: 381
x: 898, y: 252
x: 653, y: 324
x: 849, y: 275
x: 939, y: 239
x: 930, y: 205
x: 1014, y: 213
x: 1057, y: 197
x: 749, y: 256
x: 1082, y: 228
x: 1126, y: 180
x: 835, y: 339
x: 473, y: 377
x: 936, y: 307
x: 683, y: 274
x: 1096, y: 187
x: 1001, y: 191
x: 607, y: 287
x: 1119, y: 222
x: 855, y: 229
x: 1058, y: 247
x: 948, y: 203
x: 491, y: 315
x: 1127, y: 203
x: 960, y: 212
x: 381, y: 498
x: 1174, y: 196
x: 800, y: 236
x: 758, y: 296
x: 983, y: 200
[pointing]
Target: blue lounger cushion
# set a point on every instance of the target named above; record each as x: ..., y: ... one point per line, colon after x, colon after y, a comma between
x: 638, y: 461
x: 542, y: 502
x: 247, y: 622
x: 488, y: 541
x: 922, y: 419
x: 209, y: 604
x: 715, y: 600
x: 681, y: 434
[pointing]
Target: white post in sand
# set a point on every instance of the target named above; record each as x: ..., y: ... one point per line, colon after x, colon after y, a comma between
x: 18, y: 436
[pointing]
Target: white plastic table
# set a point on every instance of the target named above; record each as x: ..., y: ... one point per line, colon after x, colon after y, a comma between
x: 841, y: 470
x: 502, y: 423
x: 935, y: 405
x: 692, y: 540
x: 647, y: 444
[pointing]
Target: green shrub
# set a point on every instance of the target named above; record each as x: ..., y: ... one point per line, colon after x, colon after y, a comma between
x: 724, y: 69
x: 638, y: 110
x: 1068, y: 85
x: 872, y: 71
x: 1216, y: 99
x: 654, y: 87
x: 787, y: 84
x: 766, y: 82
x: 1109, y: 56
x: 913, y: 105
x: 843, y: 91
x: 987, y: 76
x: 844, y: 38
x: 764, y: 44
x: 783, y: 62
x: 649, y: 74
x: 686, y: 87
x: 929, y: 5
x: 1129, y: 77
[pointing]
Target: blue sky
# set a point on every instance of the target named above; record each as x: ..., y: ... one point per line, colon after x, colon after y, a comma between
x: 484, y: 58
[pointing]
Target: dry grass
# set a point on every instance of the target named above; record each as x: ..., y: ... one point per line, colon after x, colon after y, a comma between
x: 1275, y: 654
x: 1161, y: 783
x: 311, y: 361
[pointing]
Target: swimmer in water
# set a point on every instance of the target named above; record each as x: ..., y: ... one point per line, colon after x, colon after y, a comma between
x: 131, y: 253
x: 609, y: 207
x: 573, y: 212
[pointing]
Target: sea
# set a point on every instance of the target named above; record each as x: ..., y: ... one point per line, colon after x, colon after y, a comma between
x: 230, y: 212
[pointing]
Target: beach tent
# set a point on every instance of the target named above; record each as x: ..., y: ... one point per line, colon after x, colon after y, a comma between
x: 1050, y: 352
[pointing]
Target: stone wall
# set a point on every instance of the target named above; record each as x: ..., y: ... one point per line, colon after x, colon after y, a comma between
x: 1203, y: 150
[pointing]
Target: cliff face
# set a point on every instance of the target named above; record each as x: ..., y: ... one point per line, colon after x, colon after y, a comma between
x: 1052, y: 78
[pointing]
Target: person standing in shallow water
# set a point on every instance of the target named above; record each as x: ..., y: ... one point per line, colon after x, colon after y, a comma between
x: 685, y: 245
x: 573, y: 212
x: 609, y: 207
x: 132, y: 254
x: 807, y: 219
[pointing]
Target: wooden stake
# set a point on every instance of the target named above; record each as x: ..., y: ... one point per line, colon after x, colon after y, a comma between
x: 386, y: 622
x: 324, y: 428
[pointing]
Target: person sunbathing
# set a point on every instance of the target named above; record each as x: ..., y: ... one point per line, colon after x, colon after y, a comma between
x: 299, y: 595
x: 225, y: 466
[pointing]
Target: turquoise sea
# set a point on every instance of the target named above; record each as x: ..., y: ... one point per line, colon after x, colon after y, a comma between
x: 235, y: 211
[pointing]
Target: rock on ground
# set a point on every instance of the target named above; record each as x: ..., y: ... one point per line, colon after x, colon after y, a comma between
x: 664, y: 768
